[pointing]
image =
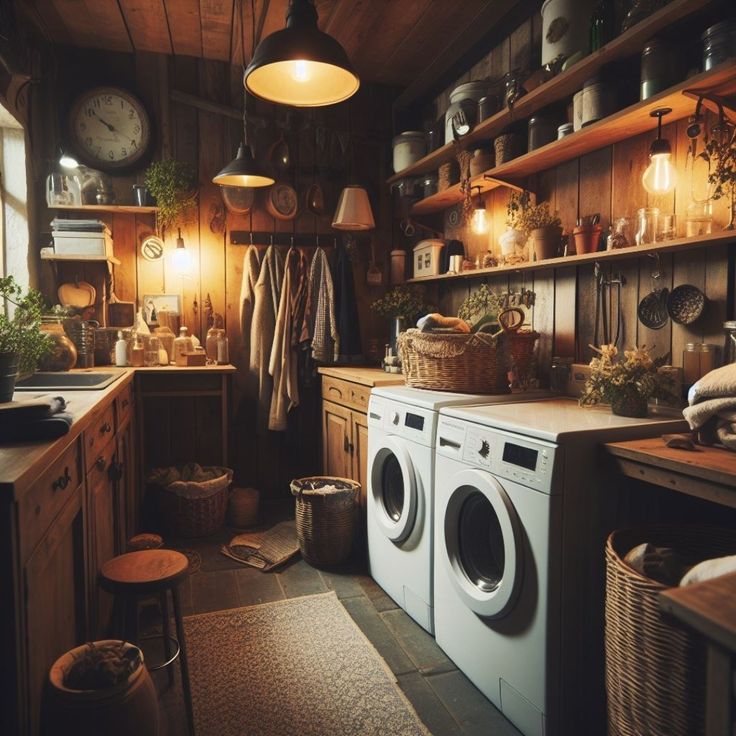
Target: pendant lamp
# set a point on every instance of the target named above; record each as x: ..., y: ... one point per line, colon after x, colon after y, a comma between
x: 353, y: 210
x: 660, y: 176
x: 300, y: 65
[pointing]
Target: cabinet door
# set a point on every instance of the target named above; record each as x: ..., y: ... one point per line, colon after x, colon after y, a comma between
x: 360, y: 454
x: 336, y: 440
x: 54, y: 582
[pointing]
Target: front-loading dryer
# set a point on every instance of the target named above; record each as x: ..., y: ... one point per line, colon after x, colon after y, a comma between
x: 400, y: 497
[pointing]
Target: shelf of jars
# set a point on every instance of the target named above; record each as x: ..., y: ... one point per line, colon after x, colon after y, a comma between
x: 723, y: 237
x: 561, y: 87
x: 623, y: 124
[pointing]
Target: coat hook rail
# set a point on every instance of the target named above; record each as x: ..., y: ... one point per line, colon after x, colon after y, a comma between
x: 298, y: 240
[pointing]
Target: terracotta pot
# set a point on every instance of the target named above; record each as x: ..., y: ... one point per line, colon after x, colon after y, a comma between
x: 546, y: 242
x: 587, y: 238
x: 629, y: 404
x: 130, y: 707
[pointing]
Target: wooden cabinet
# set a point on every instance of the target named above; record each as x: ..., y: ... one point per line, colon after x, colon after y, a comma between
x: 359, y: 443
x: 337, y: 440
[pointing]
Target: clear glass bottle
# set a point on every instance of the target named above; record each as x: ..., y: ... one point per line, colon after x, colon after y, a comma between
x: 151, y: 346
x: 210, y: 343
x: 223, y: 349
x: 182, y: 344
x: 647, y: 230
x: 136, y: 354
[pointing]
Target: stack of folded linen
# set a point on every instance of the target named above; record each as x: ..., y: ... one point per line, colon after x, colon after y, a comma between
x: 41, y: 418
x: 712, y: 407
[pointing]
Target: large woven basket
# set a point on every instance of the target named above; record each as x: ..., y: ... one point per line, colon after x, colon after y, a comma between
x: 655, y: 668
x: 473, y: 364
x: 520, y: 347
x: 195, y: 508
x: 326, y: 508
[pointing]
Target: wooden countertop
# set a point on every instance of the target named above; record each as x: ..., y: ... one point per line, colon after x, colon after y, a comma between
x: 19, y: 462
x: 366, y: 376
x: 706, y: 472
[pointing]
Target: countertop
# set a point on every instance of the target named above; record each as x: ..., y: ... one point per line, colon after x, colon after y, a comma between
x: 19, y: 462
x: 364, y: 375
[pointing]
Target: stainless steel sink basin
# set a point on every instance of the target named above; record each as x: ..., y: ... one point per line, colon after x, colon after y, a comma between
x: 92, y: 381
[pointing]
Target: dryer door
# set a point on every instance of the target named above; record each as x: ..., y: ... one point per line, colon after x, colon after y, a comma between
x: 483, y: 543
x: 394, y: 489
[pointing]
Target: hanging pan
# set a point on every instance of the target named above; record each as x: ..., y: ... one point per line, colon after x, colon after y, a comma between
x: 652, y: 309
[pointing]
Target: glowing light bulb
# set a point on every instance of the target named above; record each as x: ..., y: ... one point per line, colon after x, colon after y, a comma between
x: 300, y: 71
x: 479, y: 222
x: 660, y: 176
x: 181, y: 258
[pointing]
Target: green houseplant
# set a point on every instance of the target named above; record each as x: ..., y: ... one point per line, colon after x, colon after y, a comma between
x: 22, y: 343
x: 171, y: 184
x: 544, y: 227
x: 720, y: 153
x: 401, y: 305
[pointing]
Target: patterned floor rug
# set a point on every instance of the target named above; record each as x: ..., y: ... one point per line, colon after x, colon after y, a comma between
x: 294, y: 667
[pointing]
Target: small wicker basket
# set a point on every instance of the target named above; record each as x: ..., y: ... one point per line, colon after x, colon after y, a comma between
x: 655, y: 669
x: 474, y: 364
x: 326, y: 508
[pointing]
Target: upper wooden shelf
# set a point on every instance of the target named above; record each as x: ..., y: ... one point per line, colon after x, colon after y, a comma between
x: 625, y: 123
x: 129, y: 209
x: 562, y: 86
x: 637, y: 251
x: 79, y: 259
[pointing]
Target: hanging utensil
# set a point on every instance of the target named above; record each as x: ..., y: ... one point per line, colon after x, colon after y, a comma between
x: 279, y: 155
x: 652, y: 309
x: 374, y: 275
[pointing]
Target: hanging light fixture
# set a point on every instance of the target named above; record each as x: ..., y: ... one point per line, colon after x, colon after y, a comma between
x: 181, y: 258
x: 479, y: 221
x: 660, y: 176
x: 300, y: 65
x: 353, y: 210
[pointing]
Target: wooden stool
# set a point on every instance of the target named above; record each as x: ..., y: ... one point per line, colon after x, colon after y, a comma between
x: 134, y: 575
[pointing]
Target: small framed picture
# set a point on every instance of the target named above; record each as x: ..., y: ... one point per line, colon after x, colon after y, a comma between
x: 152, y: 304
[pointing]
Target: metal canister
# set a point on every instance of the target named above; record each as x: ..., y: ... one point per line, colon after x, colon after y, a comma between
x: 659, y: 68
x: 564, y: 129
x: 541, y: 132
x: 596, y: 101
x: 487, y: 106
x: 719, y: 43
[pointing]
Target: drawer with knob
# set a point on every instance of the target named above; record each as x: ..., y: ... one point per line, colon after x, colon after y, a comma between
x: 100, y: 432
x: 103, y: 466
x: 346, y: 393
x: 47, y: 495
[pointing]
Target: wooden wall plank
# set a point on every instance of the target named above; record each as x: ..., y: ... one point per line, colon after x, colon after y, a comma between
x: 216, y: 18
x: 185, y: 25
x: 124, y: 239
x: 146, y: 21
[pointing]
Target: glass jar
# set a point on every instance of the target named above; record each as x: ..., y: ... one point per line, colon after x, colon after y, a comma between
x: 223, y: 349
x: 699, y: 219
x: 151, y: 345
x: 210, y: 343
x: 182, y: 344
x: 647, y: 225
x: 620, y: 236
x: 698, y: 358
x: 513, y: 83
x: 559, y: 374
x: 729, y: 344
x: 667, y: 227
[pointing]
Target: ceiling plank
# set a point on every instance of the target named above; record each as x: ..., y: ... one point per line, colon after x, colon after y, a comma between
x: 44, y: 14
x: 147, y: 24
x: 185, y: 26
x: 90, y: 23
x: 275, y: 17
x: 217, y: 23
x: 352, y: 23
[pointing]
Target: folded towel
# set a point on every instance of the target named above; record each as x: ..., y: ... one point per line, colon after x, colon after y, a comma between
x: 50, y: 428
x: 709, y: 569
x: 715, y: 420
x: 30, y: 410
x: 717, y: 384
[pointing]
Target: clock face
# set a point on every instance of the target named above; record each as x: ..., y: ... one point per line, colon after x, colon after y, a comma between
x: 110, y: 128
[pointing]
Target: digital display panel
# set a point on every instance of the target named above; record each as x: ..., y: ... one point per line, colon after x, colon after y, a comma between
x: 524, y: 457
x: 414, y: 421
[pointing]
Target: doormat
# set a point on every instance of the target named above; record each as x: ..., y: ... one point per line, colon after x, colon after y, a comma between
x: 264, y: 550
x: 290, y: 668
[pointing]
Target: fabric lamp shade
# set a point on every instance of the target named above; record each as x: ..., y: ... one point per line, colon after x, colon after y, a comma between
x: 353, y: 210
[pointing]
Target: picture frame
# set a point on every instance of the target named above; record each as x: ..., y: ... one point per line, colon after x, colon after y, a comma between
x: 151, y: 304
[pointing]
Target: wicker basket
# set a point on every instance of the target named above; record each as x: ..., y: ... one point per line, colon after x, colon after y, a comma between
x: 473, y: 364
x: 521, y: 353
x: 195, y: 508
x: 508, y: 146
x: 655, y: 669
x: 326, y: 508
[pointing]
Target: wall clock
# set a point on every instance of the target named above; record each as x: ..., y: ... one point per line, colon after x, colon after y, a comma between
x: 109, y: 128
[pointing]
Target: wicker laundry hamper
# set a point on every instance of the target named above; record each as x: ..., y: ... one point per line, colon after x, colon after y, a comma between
x: 326, y: 510
x: 655, y: 668
x: 438, y: 361
x: 521, y: 354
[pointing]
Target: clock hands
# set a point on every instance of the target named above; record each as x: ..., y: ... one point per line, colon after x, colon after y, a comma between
x: 112, y: 128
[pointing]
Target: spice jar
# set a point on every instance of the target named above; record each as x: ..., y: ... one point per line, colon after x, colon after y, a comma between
x: 647, y: 225
x: 698, y: 358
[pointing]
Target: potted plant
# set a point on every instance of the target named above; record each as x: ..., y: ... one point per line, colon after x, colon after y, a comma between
x: 544, y: 227
x: 514, y: 238
x: 22, y: 342
x: 480, y: 308
x: 170, y: 182
x: 720, y: 153
x: 102, y: 687
x: 402, y: 305
x: 626, y: 383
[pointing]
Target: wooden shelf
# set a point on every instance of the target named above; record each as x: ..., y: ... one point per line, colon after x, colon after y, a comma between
x: 562, y: 86
x: 667, y: 246
x: 128, y: 209
x: 79, y: 259
x: 623, y: 124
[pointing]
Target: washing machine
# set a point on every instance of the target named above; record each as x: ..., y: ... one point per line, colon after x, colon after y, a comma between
x: 521, y: 513
x: 401, y: 434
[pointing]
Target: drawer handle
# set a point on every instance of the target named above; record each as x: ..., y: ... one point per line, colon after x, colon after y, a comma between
x: 62, y: 481
x: 347, y: 446
x: 105, y: 428
x: 100, y: 463
x: 336, y: 390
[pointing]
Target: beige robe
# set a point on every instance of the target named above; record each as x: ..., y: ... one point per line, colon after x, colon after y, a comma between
x: 251, y: 267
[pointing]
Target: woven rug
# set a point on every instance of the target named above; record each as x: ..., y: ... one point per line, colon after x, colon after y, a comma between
x: 299, y: 667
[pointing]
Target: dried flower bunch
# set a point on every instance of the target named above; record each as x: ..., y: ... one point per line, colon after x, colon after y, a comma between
x: 101, y: 666
x: 720, y: 153
x: 612, y: 377
x: 481, y: 304
x: 522, y: 215
x: 402, y: 301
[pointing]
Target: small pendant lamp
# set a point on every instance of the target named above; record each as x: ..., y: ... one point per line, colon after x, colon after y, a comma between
x: 353, y: 210
x: 300, y: 65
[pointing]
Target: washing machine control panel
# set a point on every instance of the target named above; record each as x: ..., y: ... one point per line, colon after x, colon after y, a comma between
x: 402, y: 420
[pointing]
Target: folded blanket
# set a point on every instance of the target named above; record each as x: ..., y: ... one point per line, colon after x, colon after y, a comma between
x: 50, y: 428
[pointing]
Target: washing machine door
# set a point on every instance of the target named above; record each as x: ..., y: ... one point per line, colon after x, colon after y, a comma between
x: 483, y: 543
x: 394, y: 489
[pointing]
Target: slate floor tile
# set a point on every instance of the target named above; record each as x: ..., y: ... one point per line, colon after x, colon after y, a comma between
x: 214, y: 591
x: 428, y: 706
x: 417, y: 643
x: 255, y: 586
x: 299, y: 578
x: 344, y: 584
x: 381, y: 600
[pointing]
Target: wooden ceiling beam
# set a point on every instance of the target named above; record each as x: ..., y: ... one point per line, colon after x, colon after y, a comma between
x: 217, y: 23
x: 147, y: 23
x: 185, y: 26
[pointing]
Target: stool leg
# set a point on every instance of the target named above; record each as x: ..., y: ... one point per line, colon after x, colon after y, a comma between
x: 183, y: 661
x: 166, y: 626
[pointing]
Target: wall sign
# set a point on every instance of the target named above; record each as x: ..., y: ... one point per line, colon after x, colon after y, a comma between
x: 152, y: 248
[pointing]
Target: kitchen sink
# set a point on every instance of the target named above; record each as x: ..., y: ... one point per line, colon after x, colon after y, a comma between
x: 69, y: 380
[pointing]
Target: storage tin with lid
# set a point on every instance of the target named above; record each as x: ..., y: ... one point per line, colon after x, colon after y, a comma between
x: 564, y: 129
x: 565, y: 27
x: 719, y: 43
x: 408, y: 148
x: 659, y: 68
x: 541, y: 132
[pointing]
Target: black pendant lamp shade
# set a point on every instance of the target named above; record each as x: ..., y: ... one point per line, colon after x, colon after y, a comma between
x: 243, y: 171
x: 300, y: 65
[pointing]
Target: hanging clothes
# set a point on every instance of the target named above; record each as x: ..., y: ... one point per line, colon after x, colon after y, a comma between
x: 346, y: 309
x: 319, y: 328
x: 251, y: 268
x: 267, y: 295
x: 284, y: 359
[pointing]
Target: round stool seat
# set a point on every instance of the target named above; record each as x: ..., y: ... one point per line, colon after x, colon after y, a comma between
x: 144, y: 570
x: 145, y: 541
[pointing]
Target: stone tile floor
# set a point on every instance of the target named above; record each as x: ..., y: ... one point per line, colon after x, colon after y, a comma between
x: 443, y: 697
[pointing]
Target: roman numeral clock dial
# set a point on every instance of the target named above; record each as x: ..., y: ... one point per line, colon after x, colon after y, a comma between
x: 109, y: 129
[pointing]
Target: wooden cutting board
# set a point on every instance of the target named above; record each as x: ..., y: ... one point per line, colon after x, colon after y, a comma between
x: 80, y: 294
